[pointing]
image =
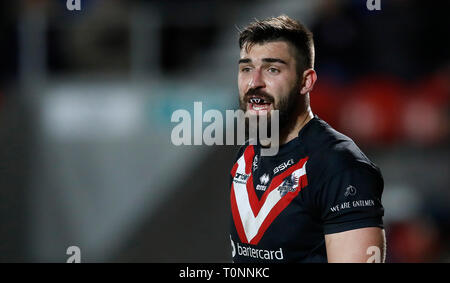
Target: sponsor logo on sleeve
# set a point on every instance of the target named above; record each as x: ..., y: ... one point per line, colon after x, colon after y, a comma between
x: 350, y: 191
x: 352, y: 204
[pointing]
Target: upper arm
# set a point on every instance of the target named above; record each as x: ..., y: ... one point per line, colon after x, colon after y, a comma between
x: 351, y: 213
x: 359, y: 245
x: 351, y: 199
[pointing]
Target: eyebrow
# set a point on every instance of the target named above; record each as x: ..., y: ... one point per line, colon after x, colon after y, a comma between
x: 267, y: 60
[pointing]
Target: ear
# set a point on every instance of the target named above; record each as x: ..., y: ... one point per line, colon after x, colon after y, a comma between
x: 309, y: 79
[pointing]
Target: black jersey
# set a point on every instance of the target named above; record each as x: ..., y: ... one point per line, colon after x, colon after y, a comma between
x: 282, y: 206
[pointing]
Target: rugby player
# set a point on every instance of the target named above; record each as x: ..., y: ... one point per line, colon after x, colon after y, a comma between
x: 319, y: 198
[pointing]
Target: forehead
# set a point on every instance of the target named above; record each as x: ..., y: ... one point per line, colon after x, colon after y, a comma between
x: 272, y: 49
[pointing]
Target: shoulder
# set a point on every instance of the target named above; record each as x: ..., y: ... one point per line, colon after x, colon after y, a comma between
x: 331, y: 152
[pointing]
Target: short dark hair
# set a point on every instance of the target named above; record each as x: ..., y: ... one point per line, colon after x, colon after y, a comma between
x: 281, y: 28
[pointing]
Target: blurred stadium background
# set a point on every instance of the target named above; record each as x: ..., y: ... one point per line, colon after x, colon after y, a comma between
x: 86, y: 99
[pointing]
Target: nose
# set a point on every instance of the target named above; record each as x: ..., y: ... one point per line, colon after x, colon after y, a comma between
x: 257, y: 80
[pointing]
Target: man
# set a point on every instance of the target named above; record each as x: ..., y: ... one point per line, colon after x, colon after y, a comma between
x: 319, y: 198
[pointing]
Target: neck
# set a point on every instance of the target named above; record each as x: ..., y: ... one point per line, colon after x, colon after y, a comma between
x: 291, y: 132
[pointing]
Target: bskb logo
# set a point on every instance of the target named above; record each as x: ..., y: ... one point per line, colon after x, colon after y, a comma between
x: 283, y: 166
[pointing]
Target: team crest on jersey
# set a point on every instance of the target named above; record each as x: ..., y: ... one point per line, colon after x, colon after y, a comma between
x: 289, y: 184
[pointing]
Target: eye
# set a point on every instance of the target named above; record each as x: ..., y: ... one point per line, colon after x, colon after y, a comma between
x: 245, y: 69
x: 273, y: 70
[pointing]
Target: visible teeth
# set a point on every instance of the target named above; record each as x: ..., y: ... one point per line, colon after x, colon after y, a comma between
x: 256, y: 100
x: 259, y: 107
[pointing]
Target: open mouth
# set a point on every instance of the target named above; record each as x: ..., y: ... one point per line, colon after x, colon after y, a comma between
x: 258, y: 104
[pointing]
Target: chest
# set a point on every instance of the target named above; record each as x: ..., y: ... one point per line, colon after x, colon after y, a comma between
x: 265, y: 196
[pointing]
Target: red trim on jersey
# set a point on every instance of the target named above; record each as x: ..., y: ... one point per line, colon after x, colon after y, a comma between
x: 278, y: 208
x: 276, y: 181
x: 256, y: 204
x: 249, y: 153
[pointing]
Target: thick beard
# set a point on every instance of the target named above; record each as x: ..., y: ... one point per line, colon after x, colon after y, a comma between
x: 287, y: 107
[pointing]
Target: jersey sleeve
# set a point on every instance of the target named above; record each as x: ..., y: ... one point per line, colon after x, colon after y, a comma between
x: 351, y: 199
